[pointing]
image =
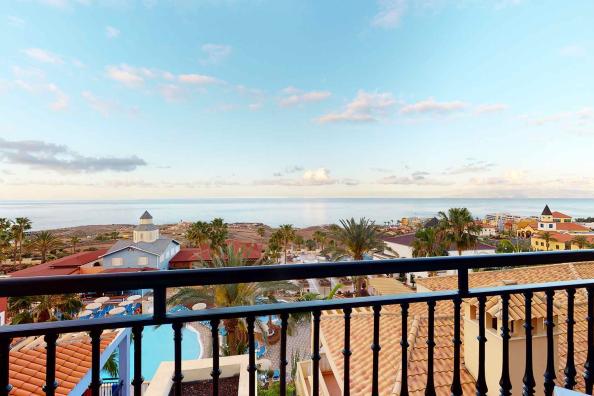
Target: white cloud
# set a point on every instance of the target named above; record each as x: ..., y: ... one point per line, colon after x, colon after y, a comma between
x: 430, y: 106
x: 390, y: 13
x: 132, y: 77
x: 570, y: 117
x: 112, y: 32
x: 197, y: 79
x: 172, y: 92
x: 215, y: 53
x: 38, y: 154
x: 573, y: 51
x: 297, y: 97
x: 42, y: 55
x: 366, y: 107
x: 61, y: 100
x: 490, y: 108
x: 310, y: 177
x: 28, y: 73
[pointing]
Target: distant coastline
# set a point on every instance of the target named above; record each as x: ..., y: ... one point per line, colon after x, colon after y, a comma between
x: 301, y: 212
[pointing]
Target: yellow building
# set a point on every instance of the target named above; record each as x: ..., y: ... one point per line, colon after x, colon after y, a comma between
x: 526, y: 228
x: 561, y: 231
x: 557, y: 242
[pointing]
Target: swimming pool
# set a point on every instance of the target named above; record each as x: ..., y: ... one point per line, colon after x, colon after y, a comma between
x: 157, y: 347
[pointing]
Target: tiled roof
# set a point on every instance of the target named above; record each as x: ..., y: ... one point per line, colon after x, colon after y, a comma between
x: 64, y: 266
x: 332, y: 332
x: 559, y: 215
x: 408, y: 239
x: 73, y: 361
x: 156, y: 248
x: 250, y: 251
x: 386, y: 286
x: 572, y: 227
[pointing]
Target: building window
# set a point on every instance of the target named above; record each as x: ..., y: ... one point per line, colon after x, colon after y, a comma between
x: 550, y: 226
x: 143, y: 261
x: 117, y: 261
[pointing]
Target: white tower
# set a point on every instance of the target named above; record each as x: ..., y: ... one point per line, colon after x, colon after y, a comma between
x: 146, y: 231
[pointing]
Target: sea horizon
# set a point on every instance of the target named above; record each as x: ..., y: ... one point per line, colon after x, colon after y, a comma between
x: 272, y: 211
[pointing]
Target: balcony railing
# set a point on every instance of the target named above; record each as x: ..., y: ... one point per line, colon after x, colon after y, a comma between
x: 160, y: 281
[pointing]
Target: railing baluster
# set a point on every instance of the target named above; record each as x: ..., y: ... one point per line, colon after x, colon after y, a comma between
x: 159, y: 303
x: 177, y: 359
x: 505, y: 385
x: 430, y: 387
x: 481, y: 383
x: 50, y: 366
x: 251, y: 355
x: 570, y: 370
x: 375, y: 347
x: 315, y: 357
x: 346, y: 352
x: 283, y: 354
x: 528, y: 380
x: 404, y: 351
x: 549, y: 376
x: 215, y: 373
x: 95, y: 362
x: 456, y: 388
x: 589, y: 365
x: 138, y: 380
x: 5, y: 386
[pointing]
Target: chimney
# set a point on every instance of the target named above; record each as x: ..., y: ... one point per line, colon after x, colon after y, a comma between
x: 517, y: 342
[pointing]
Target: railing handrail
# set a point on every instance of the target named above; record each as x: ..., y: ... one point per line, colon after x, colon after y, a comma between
x: 69, y: 326
x: 25, y: 286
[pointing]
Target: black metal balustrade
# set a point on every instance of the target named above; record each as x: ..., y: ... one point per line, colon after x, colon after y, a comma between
x: 160, y: 281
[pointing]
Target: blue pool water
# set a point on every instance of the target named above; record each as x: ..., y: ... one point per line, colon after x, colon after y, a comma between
x: 157, y: 347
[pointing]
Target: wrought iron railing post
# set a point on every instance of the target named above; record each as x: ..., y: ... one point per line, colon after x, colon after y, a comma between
x: 430, y: 387
x: 5, y: 386
x: 283, y: 354
x: 138, y: 380
x: 549, y: 376
x: 50, y: 369
x: 456, y: 387
x: 404, y: 351
x: 346, y: 352
x: 315, y: 356
x: 528, y: 380
x: 570, y: 371
x: 481, y: 383
x: 177, y: 359
x: 505, y: 385
x: 159, y: 303
x: 95, y: 362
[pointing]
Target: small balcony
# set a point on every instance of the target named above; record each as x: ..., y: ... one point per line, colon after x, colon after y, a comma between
x: 502, y: 325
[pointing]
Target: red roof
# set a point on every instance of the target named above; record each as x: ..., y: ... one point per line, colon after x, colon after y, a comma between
x: 64, y: 266
x: 250, y: 251
x: 572, y: 227
x: 559, y: 215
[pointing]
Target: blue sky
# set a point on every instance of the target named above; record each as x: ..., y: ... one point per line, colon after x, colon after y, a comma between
x: 106, y: 99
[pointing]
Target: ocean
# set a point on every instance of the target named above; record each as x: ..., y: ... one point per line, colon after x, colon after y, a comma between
x: 300, y: 212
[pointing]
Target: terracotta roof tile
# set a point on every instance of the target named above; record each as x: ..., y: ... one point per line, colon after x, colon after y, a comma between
x: 73, y: 361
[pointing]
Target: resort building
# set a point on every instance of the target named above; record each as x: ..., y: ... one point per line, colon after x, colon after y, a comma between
x: 403, y: 245
x: 191, y: 257
x: 75, y: 264
x: 557, y: 231
x: 147, y: 249
x: 390, y: 374
x: 526, y: 228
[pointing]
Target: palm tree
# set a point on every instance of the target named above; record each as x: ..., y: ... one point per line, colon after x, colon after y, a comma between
x: 218, y: 234
x: 310, y: 244
x: 286, y: 235
x: 20, y: 227
x: 581, y: 241
x: 429, y: 242
x: 44, y: 242
x: 5, y: 236
x: 320, y: 238
x: 114, y: 235
x: 74, y: 240
x: 197, y: 234
x: 299, y: 241
x: 230, y: 295
x: 460, y: 228
x: 261, y: 231
x: 355, y: 239
x: 43, y: 308
x: 547, y: 238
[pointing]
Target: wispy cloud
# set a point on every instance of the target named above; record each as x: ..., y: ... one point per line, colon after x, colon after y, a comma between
x: 106, y: 107
x: 130, y: 76
x: 215, y: 53
x: 38, y: 154
x: 418, y: 178
x: 15, y: 21
x: 197, y: 79
x: 366, y: 107
x: 43, y: 56
x: 60, y: 98
x: 389, y: 14
x: 294, y: 97
x: 309, y: 177
x: 471, y: 166
x: 431, y: 106
x: 490, y: 108
x: 112, y: 32
x: 580, y: 116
